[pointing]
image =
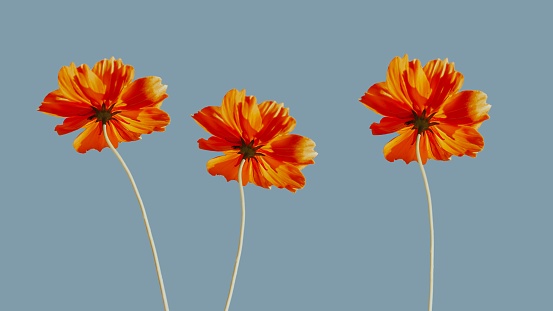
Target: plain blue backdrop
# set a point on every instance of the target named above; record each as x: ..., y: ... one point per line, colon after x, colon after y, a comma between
x: 355, y: 238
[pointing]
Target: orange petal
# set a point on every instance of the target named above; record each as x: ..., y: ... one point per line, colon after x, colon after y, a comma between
x: 282, y: 175
x: 215, y: 143
x: 378, y: 99
x: 463, y: 140
x: 68, y: 87
x: 115, y: 76
x: 407, y: 82
x: 144, y: 121
x: 120, y: 132
x: 433, y: 148
x: 211, y: 120
x: 56, y: 104
x: 395, y: 83
x: 144, y: 92
x: 90, y: 85
x: 418, y: 87
x: 154, y: 119
x: 228, y: 109
x: 72, y: 124
x: 292, y: 148
x: 226, y: 165
x: 91, y: 138
x: 465, y: 108
x: 80, y: 84
x: 389, y: 125
x: 253, y: 172
x: 402, y: 147
x: 241, y: 113
x: 249, y: 118
x: 276, y: 121
x: 444, y: 82
x: 264, y: 172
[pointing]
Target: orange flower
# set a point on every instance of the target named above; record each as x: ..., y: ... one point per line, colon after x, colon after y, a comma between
x: 426, y: 100
x: 106, y: 94
x: 242, y: 129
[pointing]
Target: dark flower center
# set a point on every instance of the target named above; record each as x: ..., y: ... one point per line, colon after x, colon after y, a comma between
x: 248, y: 151
x: 103, y: 114
x: 421, y: 123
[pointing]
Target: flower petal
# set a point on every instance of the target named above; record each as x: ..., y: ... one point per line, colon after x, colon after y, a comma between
x: 282, y: 175
x: 56, y: 104
x: 120, y: 132
x: 249, y: 118
x: 389, y: 125
x: 68, y: 88
x: 444, y: 82
x: 225, y: 165
x: 402, y: 147
x: 91, y: 138
x: 276, y: 121
x: 292, y: 148
x: 71, y: 124
x: 215, y: 143
x: 253, y: 172
x: 465, y: 108
x: 378, y: 99
x: 407, y: 83
x: 432, y: 147
x: 241, y: 113
x: 212, y: 121
x: 144, y: 121
x: 89, y: 85
x: 463, y: 140
x: 115, y: 76
x: 144, y: 92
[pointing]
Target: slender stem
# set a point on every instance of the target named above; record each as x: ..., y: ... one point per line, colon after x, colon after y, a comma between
x: 431, y: 221
x: 145, y: 217
x: 241, y: 239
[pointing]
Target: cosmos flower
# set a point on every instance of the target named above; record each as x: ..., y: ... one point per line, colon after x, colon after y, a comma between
x: 260, y: 134
x: 426, y: 100
x: 106, y: 94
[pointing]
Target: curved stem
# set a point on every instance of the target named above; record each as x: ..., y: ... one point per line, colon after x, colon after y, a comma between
x: 145, y: 217
x: 431, y: 221
x: 241, y: 239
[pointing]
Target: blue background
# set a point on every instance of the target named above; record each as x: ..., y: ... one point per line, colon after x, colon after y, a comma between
x: 355, y: 238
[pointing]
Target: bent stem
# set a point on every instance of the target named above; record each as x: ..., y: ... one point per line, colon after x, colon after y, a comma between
x: 145, y: 217
x: 241, y: 238
x: 431, y: 221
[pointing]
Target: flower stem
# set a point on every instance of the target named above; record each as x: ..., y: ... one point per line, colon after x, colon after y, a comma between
x: 241, y: 239
x: 431, y: 221
x: 145, y: 217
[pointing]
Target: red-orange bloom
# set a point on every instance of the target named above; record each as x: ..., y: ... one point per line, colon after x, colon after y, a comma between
x: 242, y: 129
x: 106, y: 94
x: 427, y: 100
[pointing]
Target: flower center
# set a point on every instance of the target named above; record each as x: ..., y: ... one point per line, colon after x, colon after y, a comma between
x: 248, y: 151
x: 103, y: 114
x: 421, y: 123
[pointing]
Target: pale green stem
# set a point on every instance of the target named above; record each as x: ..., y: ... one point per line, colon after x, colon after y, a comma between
x: 145, y: 217
x: 241, y: 238
x: 431, y: 221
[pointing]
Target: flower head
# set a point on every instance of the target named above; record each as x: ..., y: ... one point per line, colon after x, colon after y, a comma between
x: 427, y: 101
x: 260, y: 134
x: 89, y: 98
